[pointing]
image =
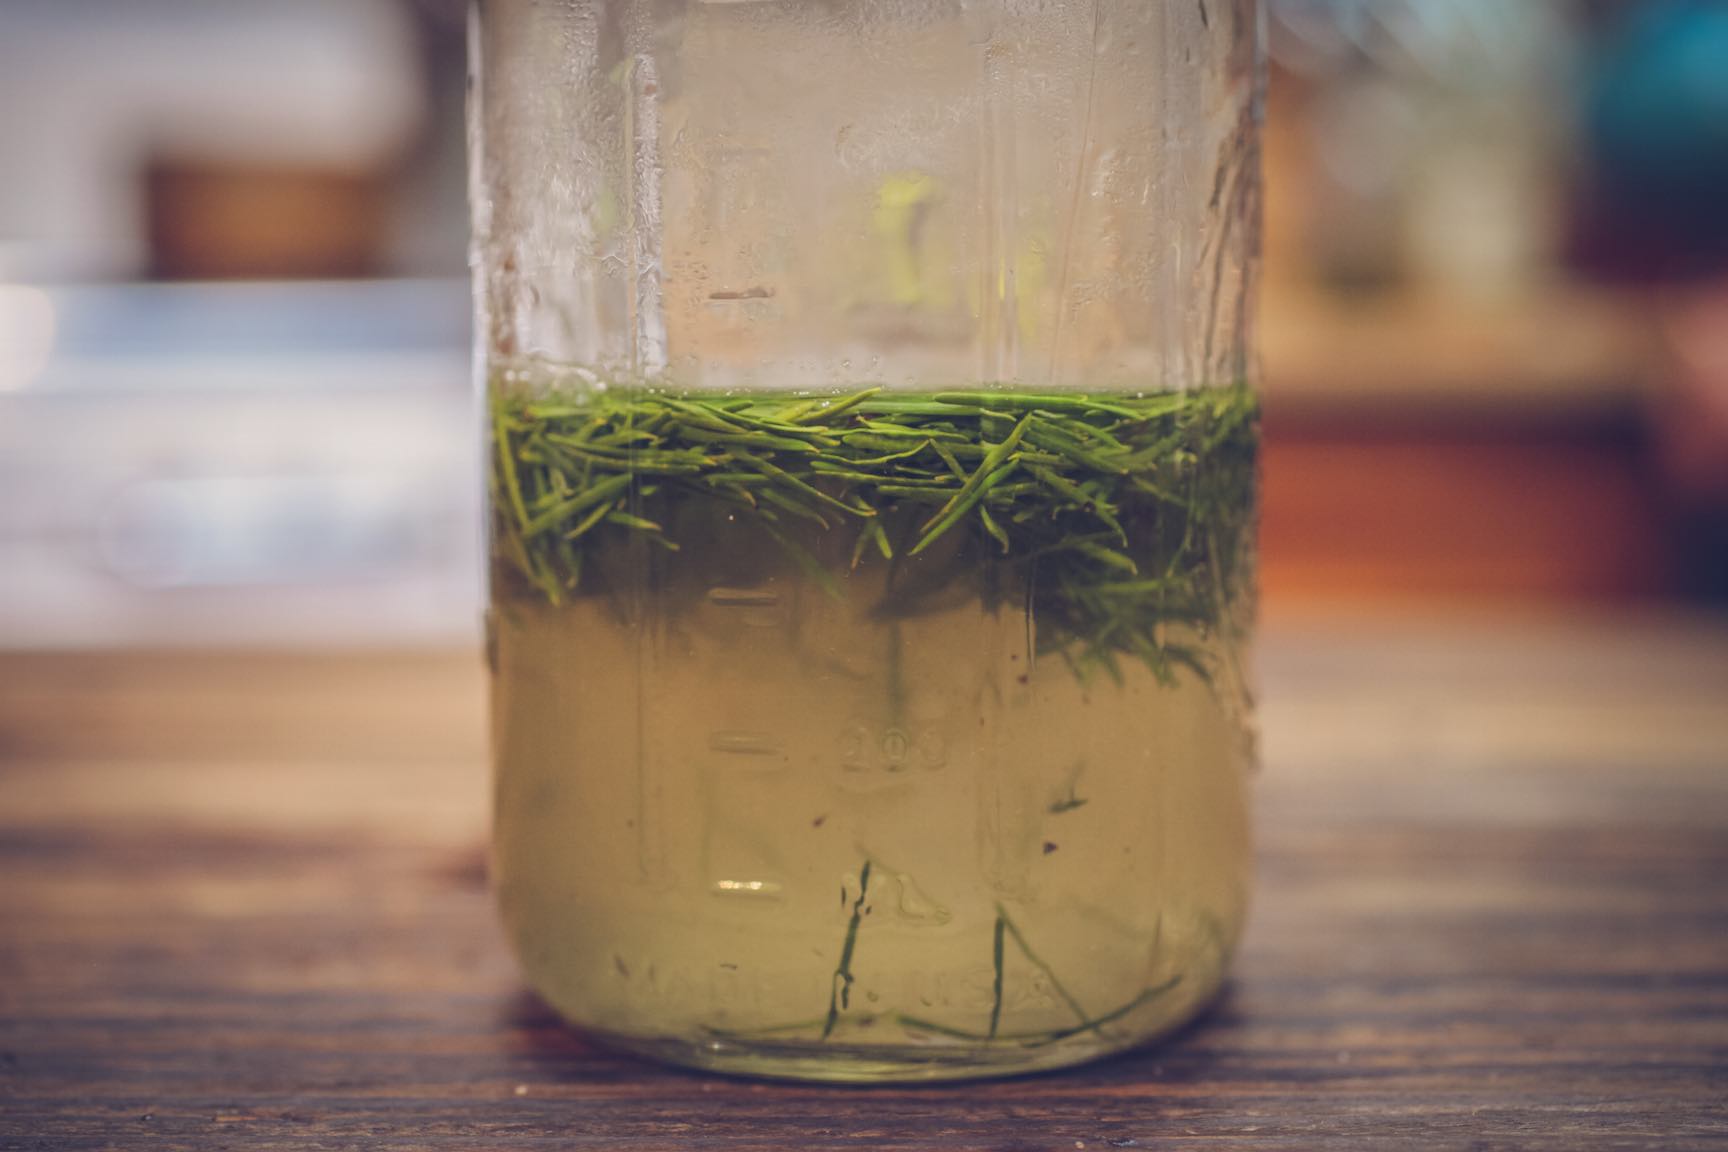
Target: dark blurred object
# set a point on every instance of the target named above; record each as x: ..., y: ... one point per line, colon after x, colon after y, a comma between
x: 1692, y: 427
x: 214, y: 221
x: 1654, y: 212
x: 1656, y: 143
x: 187, y: 139
x: 1697, y: 412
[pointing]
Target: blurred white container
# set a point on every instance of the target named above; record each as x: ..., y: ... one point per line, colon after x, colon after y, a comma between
x: 239, y: 465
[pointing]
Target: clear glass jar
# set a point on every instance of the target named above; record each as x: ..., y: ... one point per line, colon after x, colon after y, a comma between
x: 873, y: 486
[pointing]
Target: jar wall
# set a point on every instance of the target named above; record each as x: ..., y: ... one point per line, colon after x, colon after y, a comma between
x: 873, y: 486
x: 811, y: 194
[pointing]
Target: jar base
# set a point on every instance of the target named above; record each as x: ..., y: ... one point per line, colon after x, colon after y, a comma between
x: 805, y: 1061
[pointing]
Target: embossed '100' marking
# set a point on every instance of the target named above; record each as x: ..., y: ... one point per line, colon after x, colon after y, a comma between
x: 864, y: 748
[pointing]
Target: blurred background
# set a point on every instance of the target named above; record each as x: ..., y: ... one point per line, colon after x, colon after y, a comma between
x: 235, y: 402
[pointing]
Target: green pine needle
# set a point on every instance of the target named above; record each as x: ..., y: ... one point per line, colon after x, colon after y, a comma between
x: 1107, y: 515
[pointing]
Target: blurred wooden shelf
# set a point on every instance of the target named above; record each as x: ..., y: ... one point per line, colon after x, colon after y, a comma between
x: 1558, y: 353
x: 1422, y: 449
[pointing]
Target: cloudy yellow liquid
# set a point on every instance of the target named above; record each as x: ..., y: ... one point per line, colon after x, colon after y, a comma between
x: 690, y: 784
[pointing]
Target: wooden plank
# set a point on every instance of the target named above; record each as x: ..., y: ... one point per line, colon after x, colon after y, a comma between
x: 244, y: 906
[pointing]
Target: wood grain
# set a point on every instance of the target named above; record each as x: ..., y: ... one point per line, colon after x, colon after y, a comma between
x: 243, y: 905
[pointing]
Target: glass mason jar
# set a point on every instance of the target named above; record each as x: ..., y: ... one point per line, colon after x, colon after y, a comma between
x: 873, y: 490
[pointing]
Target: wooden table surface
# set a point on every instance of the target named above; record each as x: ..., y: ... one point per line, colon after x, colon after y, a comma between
x: 243, y: 904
